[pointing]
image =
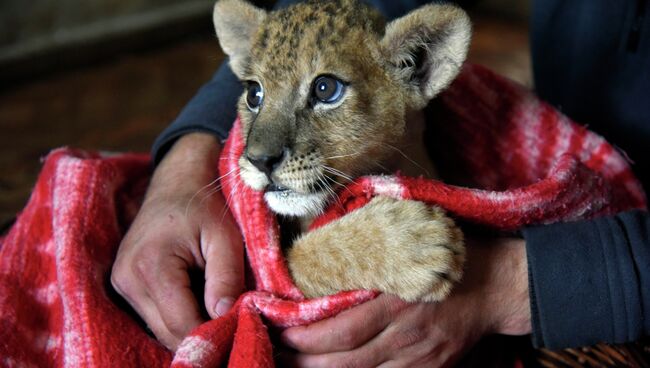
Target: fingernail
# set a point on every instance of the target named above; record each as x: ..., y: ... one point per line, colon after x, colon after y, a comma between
x: 224, y: 305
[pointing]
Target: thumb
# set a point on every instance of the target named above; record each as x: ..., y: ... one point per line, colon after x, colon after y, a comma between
x: 224, y: 269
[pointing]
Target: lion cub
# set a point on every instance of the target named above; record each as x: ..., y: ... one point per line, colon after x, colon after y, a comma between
x: 328, y: 86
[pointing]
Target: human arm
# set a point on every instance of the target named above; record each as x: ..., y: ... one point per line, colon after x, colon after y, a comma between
x: 212, y: 111
x: 492, y: 298
x: 590, y: 281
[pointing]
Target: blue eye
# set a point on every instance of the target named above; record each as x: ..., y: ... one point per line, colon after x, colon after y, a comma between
x: 254, y: 96
x: 328, y: 89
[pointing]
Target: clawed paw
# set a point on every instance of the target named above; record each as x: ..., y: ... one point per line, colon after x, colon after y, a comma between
x: 399, y: 247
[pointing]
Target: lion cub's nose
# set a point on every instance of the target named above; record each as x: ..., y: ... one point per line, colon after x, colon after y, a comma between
x: 266, y: 162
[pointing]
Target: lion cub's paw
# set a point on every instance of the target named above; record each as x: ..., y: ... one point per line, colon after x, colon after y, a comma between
x: 399, y: 247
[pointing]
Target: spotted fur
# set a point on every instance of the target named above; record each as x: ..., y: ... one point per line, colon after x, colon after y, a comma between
x: 388, y: 71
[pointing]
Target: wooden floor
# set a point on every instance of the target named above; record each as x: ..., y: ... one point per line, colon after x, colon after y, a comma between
x: 123, y: 103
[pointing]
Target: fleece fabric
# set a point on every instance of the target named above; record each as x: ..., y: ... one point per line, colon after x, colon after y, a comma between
x: 523, y: 162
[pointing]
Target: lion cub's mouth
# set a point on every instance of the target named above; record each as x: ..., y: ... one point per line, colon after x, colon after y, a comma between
x: 285, y: 201
x: 273, y: 187
x: 297, y: 187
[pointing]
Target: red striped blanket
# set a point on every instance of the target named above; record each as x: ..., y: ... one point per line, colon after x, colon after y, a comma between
x: 522, y: 161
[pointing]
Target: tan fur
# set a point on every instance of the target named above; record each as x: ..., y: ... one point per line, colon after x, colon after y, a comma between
x: 399, y: 247
x: 395, y: 246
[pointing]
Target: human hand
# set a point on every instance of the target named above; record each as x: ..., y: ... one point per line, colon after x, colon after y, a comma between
x: 178, y: 228
x: 387, y: 332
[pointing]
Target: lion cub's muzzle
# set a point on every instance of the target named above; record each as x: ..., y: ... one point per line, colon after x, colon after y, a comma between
x: 293, y: 183
x: 267, y: 161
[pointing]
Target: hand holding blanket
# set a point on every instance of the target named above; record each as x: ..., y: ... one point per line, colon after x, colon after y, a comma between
x: 524, y: 162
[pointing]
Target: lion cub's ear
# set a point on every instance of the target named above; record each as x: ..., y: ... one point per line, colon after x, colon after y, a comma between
x: 427, y: 48
x: 236, y: 22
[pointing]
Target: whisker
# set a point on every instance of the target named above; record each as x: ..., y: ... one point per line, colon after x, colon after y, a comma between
x: 321, y: 180
x: 337, y: 172
x: 377, y: 163
x: 406, y: 157
x: 209, y: 194
x: 334, y: 180
x: 226, y: 208
x: 229, y: 199
x: 342, y: 156
x: 341, y: 184
x: 189, y: 203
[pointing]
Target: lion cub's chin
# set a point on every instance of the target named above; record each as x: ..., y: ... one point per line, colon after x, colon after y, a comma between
x: 290, y: 203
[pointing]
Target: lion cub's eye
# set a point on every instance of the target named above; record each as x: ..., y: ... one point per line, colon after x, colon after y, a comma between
x: 254, y: 96
x: 328, y: 89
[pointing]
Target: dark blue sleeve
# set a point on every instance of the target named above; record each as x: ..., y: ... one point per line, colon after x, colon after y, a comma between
x: 592, y: 61
x: 213, y: 109
x: 590, y: 281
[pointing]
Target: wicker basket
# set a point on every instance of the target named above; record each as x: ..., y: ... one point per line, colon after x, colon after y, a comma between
x: 500, y: 351
x: 601, y: 355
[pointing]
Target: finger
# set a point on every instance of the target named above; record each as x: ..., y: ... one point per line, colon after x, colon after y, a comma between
x: 425, y: 355
x: 346, y: 331
x: 135, y: 294
x: 168, y: 284
x: 224, y: 271
x: 369, y: 355
x: 149, y: 312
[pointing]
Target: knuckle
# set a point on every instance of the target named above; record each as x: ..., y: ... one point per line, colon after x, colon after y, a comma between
x: 142, y: 267
x: 350, y: 362
x: 304, y: 341
x: 121, y: 281
x: 165, y: 337
x: 226, y: 274
x: 230, y: 279
x: 143, y: 271
x: 176, y: 328
x: 346, y: 341
x: 407, y: 337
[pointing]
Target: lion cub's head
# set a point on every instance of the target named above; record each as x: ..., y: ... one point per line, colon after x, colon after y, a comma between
x: 328, y: 85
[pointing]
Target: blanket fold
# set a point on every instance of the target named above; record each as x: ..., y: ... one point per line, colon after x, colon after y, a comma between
x: 519, y: 161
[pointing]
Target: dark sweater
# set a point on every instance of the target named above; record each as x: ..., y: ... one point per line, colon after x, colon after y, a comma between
x: 589, y: 280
